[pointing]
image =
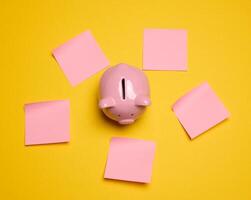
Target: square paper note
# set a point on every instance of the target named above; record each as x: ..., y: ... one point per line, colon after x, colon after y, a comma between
x: 47, y: 122
x: 165, y: 49
x: 199, y: 110
x: 80, y: 57
x: 130, y: 160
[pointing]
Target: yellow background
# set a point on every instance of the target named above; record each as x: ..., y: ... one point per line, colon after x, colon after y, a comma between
x: 216, y: 165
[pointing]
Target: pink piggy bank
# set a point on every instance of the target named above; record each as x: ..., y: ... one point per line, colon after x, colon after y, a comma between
x: 124, y: 93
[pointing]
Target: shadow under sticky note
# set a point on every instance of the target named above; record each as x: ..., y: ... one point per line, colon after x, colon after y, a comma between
x: 165, y: 49
x: 80, y: 57
x: 199, y: 110
x: 47, y: 122
x: 130, y: 160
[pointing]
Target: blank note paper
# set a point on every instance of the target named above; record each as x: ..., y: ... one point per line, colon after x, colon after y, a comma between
x: 80, y: 57
x: 47, y: 122
x: 199, y: 110
x: 165, y: 49
x: 130, y: 160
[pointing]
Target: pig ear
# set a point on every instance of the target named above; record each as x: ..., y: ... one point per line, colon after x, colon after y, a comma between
x: 142, y: 101
x: 106, y: 102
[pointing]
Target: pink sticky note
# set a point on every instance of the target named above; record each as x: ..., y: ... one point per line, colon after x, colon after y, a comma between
x: 47, y: 122
x: 165, y: 49
x: 80, y: 57
x: 199, y: 110
x: 130, y: 160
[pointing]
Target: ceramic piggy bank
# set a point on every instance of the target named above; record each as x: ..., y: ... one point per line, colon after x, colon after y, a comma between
x: 124, y: 93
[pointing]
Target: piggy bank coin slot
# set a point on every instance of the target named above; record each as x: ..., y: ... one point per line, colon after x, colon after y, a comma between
x: 123, y: 89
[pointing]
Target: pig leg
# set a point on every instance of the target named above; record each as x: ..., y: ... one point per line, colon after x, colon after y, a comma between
x: 142, y: 100
x: 106, y: 102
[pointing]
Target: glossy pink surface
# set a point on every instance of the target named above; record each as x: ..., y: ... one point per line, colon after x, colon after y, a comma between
x: 124, y: 93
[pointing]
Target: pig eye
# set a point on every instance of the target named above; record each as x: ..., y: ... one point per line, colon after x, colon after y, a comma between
x: 132, y: 114
x: 118, y: 115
